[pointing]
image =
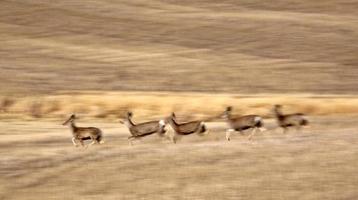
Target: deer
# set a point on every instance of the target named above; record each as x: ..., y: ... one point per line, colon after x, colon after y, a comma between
x: 241, y: 123
x: 289, y: 120
x: 187, y: 128
x: 143, y: 129
x: 84, y: 133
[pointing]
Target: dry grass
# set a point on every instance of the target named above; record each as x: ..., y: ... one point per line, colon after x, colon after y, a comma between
x: 154, y: 104
x: 37, y: 160
x: 249, y: 54
x: 210, y: 46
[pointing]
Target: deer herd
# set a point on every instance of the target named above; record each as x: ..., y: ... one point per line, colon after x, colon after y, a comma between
x: 140, y: 130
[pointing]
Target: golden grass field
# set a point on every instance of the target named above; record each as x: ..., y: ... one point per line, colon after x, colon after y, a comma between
x: 245, y: 46
x: 147, y: 105
x: 319, y: 163
x: 102, y: 58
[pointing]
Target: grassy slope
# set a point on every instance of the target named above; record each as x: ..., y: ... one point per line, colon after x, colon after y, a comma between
x: 231, y: 46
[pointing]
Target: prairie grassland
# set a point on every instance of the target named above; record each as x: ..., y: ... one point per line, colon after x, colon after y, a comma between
x: 154, y: 104
x: 203, y: 55
x: 168, y: 45
x: 37, y: 160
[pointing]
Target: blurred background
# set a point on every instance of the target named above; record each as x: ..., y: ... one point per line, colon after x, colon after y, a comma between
x: 102, y: 58
x: 227, y: 47
x: 167, y: 45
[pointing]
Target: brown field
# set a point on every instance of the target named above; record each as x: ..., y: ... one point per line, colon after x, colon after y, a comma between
x: 101, y: 58
x: 319, y: 163
x: 245, y: 46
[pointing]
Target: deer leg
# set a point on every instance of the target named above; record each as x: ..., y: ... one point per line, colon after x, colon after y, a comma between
x: 130, y: 139
x: 97, y: 140
x: 93, y: 142
x: 74, y: 142
x: 241, y: 132
x: 298, y: 128
x: 203, y: 129
x: 165, y: 135
x: 174, y: 139
x: 261, y: 130
x: 82, y: 143
x: 207, y: 132
x: 285, y: 130
x: 228, y: 133
x: 252, y: 133
x: 169, y: 136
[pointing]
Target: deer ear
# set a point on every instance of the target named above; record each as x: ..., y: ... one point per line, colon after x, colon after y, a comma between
x: 229, y: 108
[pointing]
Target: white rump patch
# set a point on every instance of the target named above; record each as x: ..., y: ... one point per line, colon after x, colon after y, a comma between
x: 257, y: 119
x: 162, y: 122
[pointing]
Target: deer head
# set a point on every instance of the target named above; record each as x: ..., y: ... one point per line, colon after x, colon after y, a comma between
x: 70, y: 119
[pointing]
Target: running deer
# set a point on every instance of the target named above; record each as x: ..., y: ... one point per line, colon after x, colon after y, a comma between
x: 187, y: 128
x: 289, y: 120
x: 84, y: 133
x: 242, y: 123
x: 143, y: 129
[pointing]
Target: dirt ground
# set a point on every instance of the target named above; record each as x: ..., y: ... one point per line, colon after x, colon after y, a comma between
x: 37, y: 160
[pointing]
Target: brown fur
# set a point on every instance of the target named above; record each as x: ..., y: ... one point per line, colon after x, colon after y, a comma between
x: 143, y: 129
x: 241, y: 123
x: 84, y: 133
x: 289, y: 120
x: 186, y: 128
